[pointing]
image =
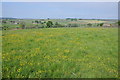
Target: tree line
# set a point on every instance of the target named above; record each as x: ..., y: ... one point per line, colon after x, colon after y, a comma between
x: 47, y: 24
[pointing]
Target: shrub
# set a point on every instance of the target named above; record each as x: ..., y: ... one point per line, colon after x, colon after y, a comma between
x: 5, y: 28
x: 73, y: 25
x: 58, y: 25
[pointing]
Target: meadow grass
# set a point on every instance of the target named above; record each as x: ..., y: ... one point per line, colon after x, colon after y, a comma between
x: 60, y: 53
x: 0, y: 54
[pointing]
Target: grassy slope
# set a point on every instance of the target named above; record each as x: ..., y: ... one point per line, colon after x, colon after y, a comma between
x: 61, y: 53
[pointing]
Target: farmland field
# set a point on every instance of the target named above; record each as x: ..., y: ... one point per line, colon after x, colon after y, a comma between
x: 60, y: 53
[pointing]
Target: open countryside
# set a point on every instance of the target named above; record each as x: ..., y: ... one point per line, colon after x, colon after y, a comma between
x: 59, y: 48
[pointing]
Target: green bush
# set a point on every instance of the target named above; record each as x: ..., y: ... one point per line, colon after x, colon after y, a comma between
x: 5, y: 28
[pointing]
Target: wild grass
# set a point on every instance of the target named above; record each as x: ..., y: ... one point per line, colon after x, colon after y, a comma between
x: 60, y: 53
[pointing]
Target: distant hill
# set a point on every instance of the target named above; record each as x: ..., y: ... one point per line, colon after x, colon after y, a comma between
x: 7, y: 18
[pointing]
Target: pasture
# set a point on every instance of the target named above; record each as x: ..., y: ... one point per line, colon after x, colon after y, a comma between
x: 60, y: 53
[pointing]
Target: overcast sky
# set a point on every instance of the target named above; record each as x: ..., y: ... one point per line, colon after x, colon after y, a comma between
x: 89, y: 10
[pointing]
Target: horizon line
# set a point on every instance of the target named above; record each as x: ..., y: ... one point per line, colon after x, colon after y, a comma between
x: 58, y: 18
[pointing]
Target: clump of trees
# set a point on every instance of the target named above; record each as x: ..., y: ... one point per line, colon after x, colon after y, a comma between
x: 4, y: 21
x: 100, y: 24
x: 72, y: 19
x: 89, y: 24
x: 12, y: 21
x: 5, y: 28
x: 80, y: 19
x: 38, y: 22
x: 49, y: 24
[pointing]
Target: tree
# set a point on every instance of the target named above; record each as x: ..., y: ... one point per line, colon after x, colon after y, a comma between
x: 36, y: 21
x: 49, y: 24
x: 80, y: 19
x: 89, y: 24
x: 119, y: 23
x: 73, y: 19
x: 4, y: 21
x: 101, y: 24
x: 68, y: 18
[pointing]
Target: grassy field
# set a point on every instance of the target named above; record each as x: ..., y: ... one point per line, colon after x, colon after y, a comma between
x: 60, y: 53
